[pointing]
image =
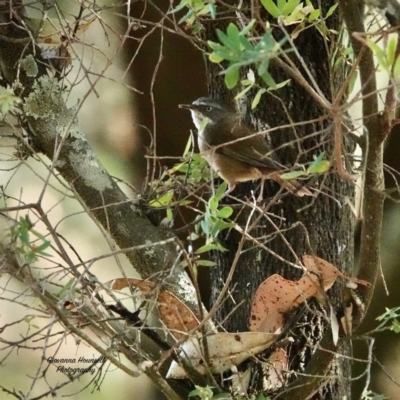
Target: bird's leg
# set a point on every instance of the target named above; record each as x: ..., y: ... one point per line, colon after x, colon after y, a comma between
x: 260, y: 196
x: 231, y: 186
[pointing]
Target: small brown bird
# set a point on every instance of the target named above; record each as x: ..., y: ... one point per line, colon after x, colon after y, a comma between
x: 219, y: 128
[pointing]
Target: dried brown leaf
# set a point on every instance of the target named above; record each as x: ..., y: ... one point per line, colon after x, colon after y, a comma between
x: 225, y: 350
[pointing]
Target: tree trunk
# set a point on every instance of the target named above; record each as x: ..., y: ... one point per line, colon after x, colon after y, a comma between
x: 322, y: 226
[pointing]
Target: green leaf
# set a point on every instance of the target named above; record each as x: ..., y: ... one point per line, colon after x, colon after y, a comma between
x: 263, y: 67
x: 213, y: 203
x: 318, y: 168
x: 279, y: 85
x: 206, y: 263
x: 331, y: 10
x: 271, y: 7
x: 214, y: 58
x: 205, y: 228
x: 314, y: 14
x: 232, y: 77
x: 214, y: 45
x: 42, y: 247
x: 227, y: 40
x: 233, y: 32
x: 379, y: 54
x: 194, y: 393
x: 179, y: 7
x: 257, y: 98
x: 353, y: 80
x: 188, y: 146
x: 225, y: 212
x: 289, y: 7
x: 209, y: 247
x: 219, y: 226
x: 280, y: 4
x: 221, y: 191
x: 243, y: 92
x: 170, y: 215
x: 247, y: 28
x: 395, y: 326
x: 292, y: 175
x: 185, y: 202
x: 391, y: 50
x: 162, y: 201
x: 319, y: 164
x: 267, y: 78
x: 213, y: 10
x: 186, y: 16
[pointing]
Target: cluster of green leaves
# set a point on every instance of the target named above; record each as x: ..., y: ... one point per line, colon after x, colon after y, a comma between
x: 23, y: 245
x: 213, y: 221
x: 196, y: 8
x: 295, y: 11
x: 250, y: 83
x: 238, y: 51
x: 206, y: 393
x: 390, y: 320
x: 192, y: 171
x: 8, y: 100
x: 318, y: 166
x: 210, y: 224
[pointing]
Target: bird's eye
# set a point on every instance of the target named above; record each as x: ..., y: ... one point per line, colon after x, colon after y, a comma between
x: 208, y: 109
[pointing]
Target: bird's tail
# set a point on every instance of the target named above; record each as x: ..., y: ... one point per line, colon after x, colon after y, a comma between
x: 291, y: 185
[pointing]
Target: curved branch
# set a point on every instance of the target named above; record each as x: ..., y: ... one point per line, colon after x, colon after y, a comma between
x: 55, y: 133
x: 373, y: 197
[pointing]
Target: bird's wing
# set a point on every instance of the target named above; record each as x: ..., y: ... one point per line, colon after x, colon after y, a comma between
x: 251, y: 151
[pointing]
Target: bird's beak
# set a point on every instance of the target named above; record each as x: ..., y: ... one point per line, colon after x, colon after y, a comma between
x: 186, y: 106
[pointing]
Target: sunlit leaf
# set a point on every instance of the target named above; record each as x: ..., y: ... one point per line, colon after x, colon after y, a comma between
x: 231, y: 77
x: 279, y: 85
x: 206, y: 263
x: 331, y: 10
x: 289, y: 7
x: 292, y: 175
x: 213, y: 203
x: 267, y: 78
x: 209, y: 247
x: 162, y: 201
x: 225, y: 212
x: 257, y: 98
x: 219, y: 194
x: 391, y: 50
x: 247, y: 28
x: 215, y: 58
x: 319, y: 168
x: 271, y: 7
x: 243, y: 92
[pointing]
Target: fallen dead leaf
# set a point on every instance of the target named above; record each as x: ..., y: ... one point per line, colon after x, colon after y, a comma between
x: 176, y: 316
x: 225, y: 350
